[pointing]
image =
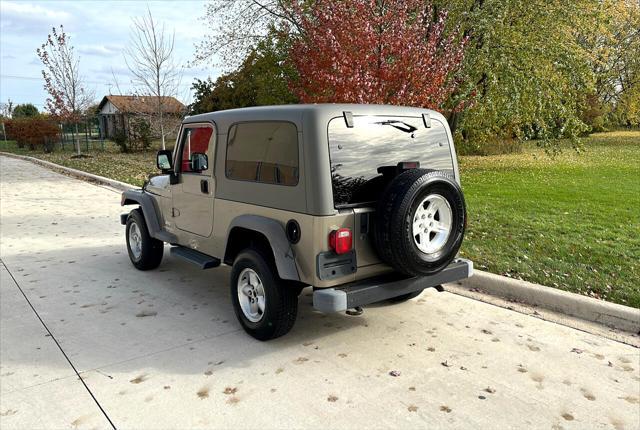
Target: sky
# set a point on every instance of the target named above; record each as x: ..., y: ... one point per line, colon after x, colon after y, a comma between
x: 99, y: 32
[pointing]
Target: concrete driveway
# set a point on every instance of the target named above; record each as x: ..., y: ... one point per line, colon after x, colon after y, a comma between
x: 163, y: 349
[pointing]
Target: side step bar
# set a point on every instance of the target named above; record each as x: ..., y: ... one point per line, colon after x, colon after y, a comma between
x: 203, y: 261
x: 385, y: 287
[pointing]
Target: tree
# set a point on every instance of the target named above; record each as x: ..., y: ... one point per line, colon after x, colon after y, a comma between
x: 373, y: 51
x: 92, y: 110
x: 237, y: 26
x: 211, y: 96
x: 155, y: 73
x: 6, y: 109
x: 525, y: 71
x: 26, y: 110
x: 262, y: 79
x: 627, y: 109
x: 68, y: 97
x: 531, y: 70
x: 615, y: 62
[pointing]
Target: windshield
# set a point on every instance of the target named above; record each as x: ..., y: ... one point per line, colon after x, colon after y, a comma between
x: 376, y: 141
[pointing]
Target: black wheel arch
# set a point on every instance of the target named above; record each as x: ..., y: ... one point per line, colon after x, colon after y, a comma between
x: 246, y: 231
x: 150, y: 211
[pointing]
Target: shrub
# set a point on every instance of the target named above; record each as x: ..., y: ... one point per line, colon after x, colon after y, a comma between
x: 139, y: 134
x: 120, y: 139
x: 33, y: 132
x: 136, y: 138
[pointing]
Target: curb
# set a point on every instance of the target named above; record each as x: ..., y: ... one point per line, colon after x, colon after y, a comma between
x: 586, y: 308
x: 79, y: 174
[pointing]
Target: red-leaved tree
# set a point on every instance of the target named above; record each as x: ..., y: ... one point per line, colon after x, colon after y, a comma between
x: 376, y: 51
x: 68, y: 97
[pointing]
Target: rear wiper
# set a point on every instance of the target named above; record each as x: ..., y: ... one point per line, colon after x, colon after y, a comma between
x: 407, y: 128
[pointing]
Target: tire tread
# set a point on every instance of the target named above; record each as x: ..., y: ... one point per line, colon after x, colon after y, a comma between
x: 152, y: 249
x: 393, y: 206
x: 285, y: 311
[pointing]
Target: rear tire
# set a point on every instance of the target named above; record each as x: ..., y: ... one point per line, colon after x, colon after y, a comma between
x: 145, y: 252
x: 265, y: 306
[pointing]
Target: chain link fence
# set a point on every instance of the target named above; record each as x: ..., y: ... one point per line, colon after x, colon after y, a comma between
x: 86, y: 133
x: 28, y: 133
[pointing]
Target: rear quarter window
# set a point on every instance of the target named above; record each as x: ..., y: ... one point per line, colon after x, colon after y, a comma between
x: 265, y: 152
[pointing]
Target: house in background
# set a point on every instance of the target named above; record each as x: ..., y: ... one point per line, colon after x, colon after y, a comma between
x: 114, y: 112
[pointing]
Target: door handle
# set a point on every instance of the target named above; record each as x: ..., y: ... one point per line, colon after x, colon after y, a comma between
x: 204, y: 186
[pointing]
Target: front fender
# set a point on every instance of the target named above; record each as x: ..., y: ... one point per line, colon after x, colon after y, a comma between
x: 149, y: 211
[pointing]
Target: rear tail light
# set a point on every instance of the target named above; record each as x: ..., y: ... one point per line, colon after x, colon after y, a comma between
x: 341, y: 240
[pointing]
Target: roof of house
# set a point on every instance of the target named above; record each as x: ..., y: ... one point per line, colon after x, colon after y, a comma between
x: 142, y: 104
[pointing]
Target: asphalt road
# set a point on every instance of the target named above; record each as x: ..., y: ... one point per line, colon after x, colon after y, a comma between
x: 162, y: 349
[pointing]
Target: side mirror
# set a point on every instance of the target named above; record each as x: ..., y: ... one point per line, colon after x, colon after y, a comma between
x: 163, y: 160
x: 199, y: 162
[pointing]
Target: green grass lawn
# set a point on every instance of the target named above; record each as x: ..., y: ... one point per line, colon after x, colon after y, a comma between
x: 570, y: 222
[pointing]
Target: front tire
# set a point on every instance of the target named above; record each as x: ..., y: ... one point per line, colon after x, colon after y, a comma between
x: 145, y: 252
x: 265, y: 306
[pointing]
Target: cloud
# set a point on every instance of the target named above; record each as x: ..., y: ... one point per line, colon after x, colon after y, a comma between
x: 9, y: 57
x: 99, y: 31
x: 10, y: 8
x: 27, y: 17
x: 98, y: 50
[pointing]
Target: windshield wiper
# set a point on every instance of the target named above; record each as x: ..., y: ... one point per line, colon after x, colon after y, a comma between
x: 407, y: 128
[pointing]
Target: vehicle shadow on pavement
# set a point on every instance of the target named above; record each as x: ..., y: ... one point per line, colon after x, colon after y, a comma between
x: 103, y: 311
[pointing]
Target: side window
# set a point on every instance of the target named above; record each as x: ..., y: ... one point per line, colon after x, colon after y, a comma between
x: 194, y: 139
x: 263, y: 152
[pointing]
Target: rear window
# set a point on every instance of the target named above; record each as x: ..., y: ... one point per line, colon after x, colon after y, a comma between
x: 263, y: 152
x: 375, y: 141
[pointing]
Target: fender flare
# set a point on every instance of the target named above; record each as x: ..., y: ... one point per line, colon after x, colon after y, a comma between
x: 149, y: 211
x: 274, y: 232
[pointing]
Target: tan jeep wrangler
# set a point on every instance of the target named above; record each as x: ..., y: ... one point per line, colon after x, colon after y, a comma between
x: 361, y: 202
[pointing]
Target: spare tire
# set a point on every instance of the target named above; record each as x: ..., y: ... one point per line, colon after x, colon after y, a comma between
x: 420, y: 222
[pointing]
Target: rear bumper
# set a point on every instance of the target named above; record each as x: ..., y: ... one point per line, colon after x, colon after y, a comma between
x: 386, y: 287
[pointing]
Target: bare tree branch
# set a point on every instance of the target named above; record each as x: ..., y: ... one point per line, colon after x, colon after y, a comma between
x: 237, y: 25
x: 155, y: 73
